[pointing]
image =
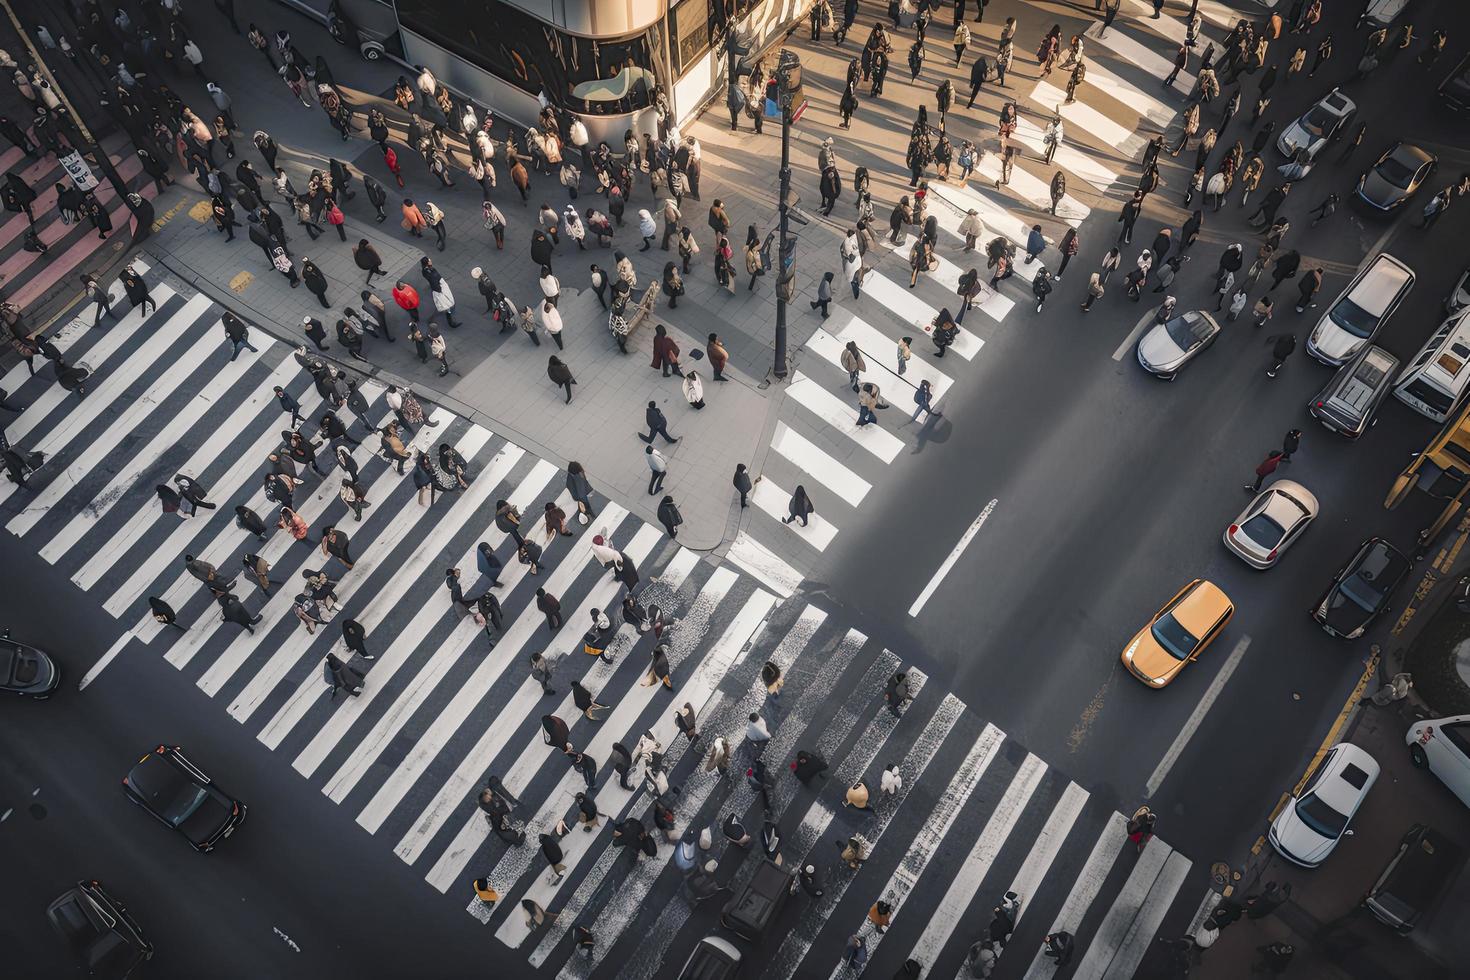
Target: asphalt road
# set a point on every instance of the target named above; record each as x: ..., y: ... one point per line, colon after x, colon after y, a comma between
x: 1114, y: 489
x: 284, y: 896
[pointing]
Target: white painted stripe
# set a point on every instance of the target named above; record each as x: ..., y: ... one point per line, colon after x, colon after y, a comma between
x: 1032, y: 189
x: 843, y: 417
x: 1170, y: 26
x: 90, y: 456
x: 954, y: 556
x: 799, y: 940
x: 147, y: 457
x: 881, y: 352
x: 970, y: 876
x: 1116, y: 925
x: 760, y: 562
x: 1048, y: 843
x: 1223, y: 15
x: 470, y: 693
x: 1131, y: 341
x: 428, y: 551
x: 1127, y: 94
x: 998, y: 221
x: 775, y: 501
x: 933, y: 831
x: 396, y: 653
x: 989, y: 302
x: 103, y: 661
x: 920, y: 315
x: 1207, y: 905
x: 611, y: 797
x: 1192, y: 723
x: 227, y: 487
x: 80, y: 326
x: 1084, y: 891
x: 1134, y: 52
x: 823, y: 468
x: 1127, y: 142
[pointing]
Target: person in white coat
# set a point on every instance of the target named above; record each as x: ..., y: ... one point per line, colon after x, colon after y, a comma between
x: 892, y: 781
x: 647, y: 229
x: 693, y: 390
x: 551, y: 322
x: 575, y: 230
x: 550, y: 285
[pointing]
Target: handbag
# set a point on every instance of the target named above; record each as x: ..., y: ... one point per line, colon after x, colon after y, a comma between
x: 335, y: 216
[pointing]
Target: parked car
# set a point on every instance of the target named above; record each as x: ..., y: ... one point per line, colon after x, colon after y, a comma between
x: 1316, y: 127
x: 1271, y: 523
x: 1454, y: 91
x: 106, y: 940
x: 181, y: 796
x: 26, y: 670
x: 1166, y: 347
x: 1360, y: 310
x: 1347, y: 405
x: 1418, y: 874
x: 1309, y: 827
x: 1396, y: 177
x: 1442, y: 745
x: 713, y: 959
x: 1459, y: 297
x: 1361, y: 589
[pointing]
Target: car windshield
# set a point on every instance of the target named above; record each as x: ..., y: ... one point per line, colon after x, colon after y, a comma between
x: 1173, y: 637
x: 1320, y: 817
x: 1318, y: 121
x: 1361, y: 591
x: 186, y: 800
x: 1263, y: 530
x: 1187, y: 330
x: 1353, y: 318
x: 1395, y: 172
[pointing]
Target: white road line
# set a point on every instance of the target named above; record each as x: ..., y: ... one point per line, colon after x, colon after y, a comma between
x: 842, y: 416
x: 933, y: 831
x: 970, y: 875
x: 1089, y: 882
x: 1206, y: 906
x: 815, y: 460
x: 954, y: 556
x: 1114, y: 928
x: 997, y: 219
x: 178, y: 425
x: 1129, y: 95
x: 775, y: 501
x: 906, y: 305
x: 1033, y: 190
x: 1127, y: 142
x: 1132, y: 51
x: 760, y: 562
x: 1198, y: 715
x: 1133, y: 335
x: 1048, y: 843
x: 880, y: 352
x: 107, y: 440
x: 1140, y: 934
x: 104, y: 660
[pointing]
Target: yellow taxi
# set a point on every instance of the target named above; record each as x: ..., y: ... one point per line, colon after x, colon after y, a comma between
x: 1178, y: 633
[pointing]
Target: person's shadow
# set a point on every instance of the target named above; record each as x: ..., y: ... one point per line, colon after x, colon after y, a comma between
x: 934, y: 428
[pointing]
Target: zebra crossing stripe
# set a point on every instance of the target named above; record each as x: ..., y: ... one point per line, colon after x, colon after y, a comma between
x: 521, y: 708
x: 461, y: 706
x: 775, y: 501
x: 696, y: 691
x: 815, y: 460
x: 947, y: 274
x: 106, y: 440
x: 997, y: 219
x: 764, y: 565
x: 1127, y: 142
x: 297, y: 646
x: 1098, y: 960
x: 396, y: 652
x: 160, y: 557
x: 926, y: 842
x: 971, y: 874
x: 1140, y: 934
x: 180, y: 423
x: 799, y: 940
x: 883, y: 352
x: 1127, y: 94
x: 1033, y: 190
x: 843, y: 417
x: 1044, y: 851
x: 1137, y: 54
x: 1089, y: 882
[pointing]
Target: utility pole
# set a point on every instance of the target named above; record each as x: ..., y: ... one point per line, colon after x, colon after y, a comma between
x: 788, y: 81
x: 99, y: 156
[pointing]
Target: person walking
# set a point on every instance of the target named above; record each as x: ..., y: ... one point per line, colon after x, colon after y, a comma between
x: 549, y: 606
x: 658, y: 424
x: 1290, y: 443
x: 232, y: 610
x: 1307, y: 289
x: 800, y: 507
x: 560, y: 375
x: 924, y: 400
x: 1140, y: 827
x: 669, y: 516
x: 1266, y: 468
x: 136, y: 291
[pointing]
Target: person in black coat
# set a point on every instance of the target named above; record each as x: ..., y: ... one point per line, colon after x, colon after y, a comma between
x: 341, y: 179
x: 274, y: 225
x: 560, y: 375
x: 377, y: 196
x: 743, y: 485
x: 259, y: 236
x: 250, y: 521
x: 540, y: 248
x: 315, y: 281
x: 669, y: 516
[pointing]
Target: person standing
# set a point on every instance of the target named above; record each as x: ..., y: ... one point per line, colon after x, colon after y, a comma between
x: 315, y: 281
x: 669, y: 516
x: 742, y: 484
x: 1290, y: 443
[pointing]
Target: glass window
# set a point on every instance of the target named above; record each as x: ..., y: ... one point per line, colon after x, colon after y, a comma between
x: 596, y: 76
x: 689, y: 30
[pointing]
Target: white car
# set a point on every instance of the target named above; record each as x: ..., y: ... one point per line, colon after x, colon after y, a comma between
x: 1271, y: 523
x: 1168, y: 346
x: 1309, y: 827
x: 1442, y: 745
x: 1317, y: 126
x: 1361, y: 310
x: 1459, y: 297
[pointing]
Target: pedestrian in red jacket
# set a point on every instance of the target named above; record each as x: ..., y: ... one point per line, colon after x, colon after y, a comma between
x: 391, y: 159
x: 408, y: 298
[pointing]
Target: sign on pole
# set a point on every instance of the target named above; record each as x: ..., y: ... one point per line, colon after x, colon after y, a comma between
x: 81, y: 174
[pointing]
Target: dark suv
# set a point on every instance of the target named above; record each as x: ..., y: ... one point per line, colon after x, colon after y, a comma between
x: 180, y: 795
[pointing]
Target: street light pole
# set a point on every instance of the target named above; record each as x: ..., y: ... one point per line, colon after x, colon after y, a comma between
x: 779, y: 368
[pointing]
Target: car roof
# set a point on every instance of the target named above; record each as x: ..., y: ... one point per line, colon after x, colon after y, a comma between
x: 1290, y: 500
x: 1410, y: 152
x: 156, y: 776
x: 1338, y: 102
x: 1382, y: 280
x: 1351, y: 773
x: 1202, y: 608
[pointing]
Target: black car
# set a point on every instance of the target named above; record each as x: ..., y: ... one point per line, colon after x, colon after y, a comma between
x: 177, y: 792
x: 1396, y: 177
x: 99, y: 930
x: 1454, y: 91
x: 1361, y: 589
x: 25, y: 670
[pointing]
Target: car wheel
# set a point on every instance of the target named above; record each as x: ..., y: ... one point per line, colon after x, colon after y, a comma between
x: 1418, y: 756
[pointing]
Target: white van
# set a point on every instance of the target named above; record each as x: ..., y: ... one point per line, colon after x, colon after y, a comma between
x: 1442, y: 745
x: 1434, y: 382
x: 1361, y: 310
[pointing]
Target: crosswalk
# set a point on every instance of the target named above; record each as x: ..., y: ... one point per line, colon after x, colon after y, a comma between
x: 441, y: 709
x: 1119, y: 106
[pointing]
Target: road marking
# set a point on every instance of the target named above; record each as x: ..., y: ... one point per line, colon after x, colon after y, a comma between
x: 1130, y: 50
x: 756, y: 559
x: 104, y: 660
x: 814, y: 460
x: 1198, y: 715
x: 954, y: 556
x: 1048, y: 843
x: 1128, y: 142
x: 1140, y: 934
x: 1089, y: 882
x: 1114, y: 928
x: 1133, y: 336
x: 818, y: 532
x: 843, y: 417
